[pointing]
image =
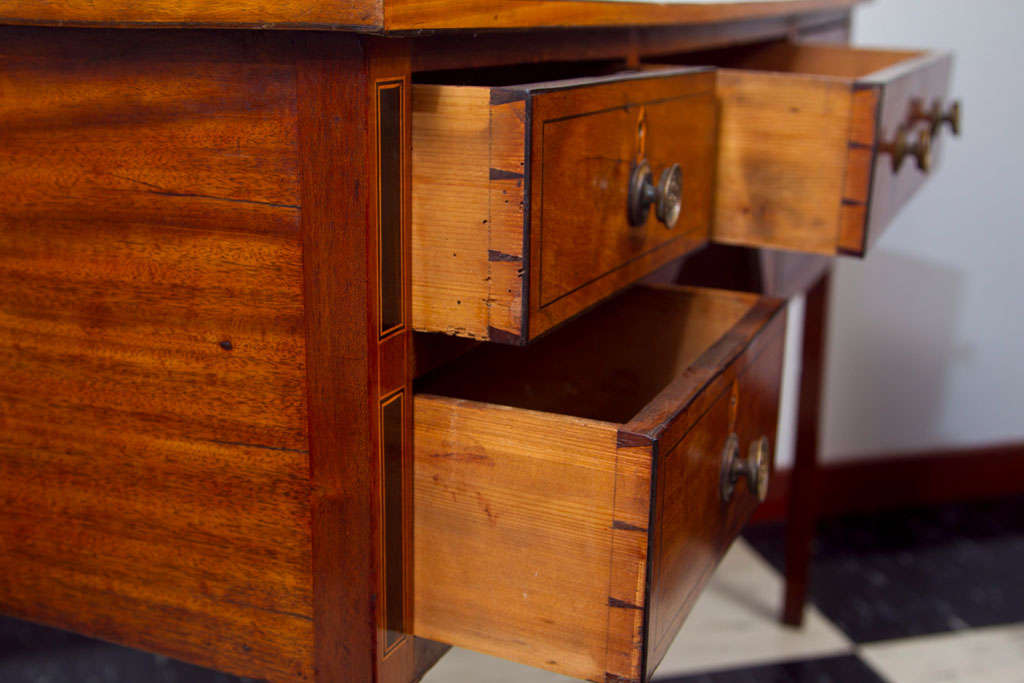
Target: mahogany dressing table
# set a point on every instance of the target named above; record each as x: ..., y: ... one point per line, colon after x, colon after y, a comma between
x: 320, y: 341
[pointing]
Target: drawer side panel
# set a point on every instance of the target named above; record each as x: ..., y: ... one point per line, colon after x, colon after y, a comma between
x: 450, y: 209
x: 782, y: 160
x: 514, y: 515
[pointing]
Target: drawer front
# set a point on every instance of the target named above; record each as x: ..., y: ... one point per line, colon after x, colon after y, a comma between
x: 521, y: 195
x: 587, y: 143
x: 888, y: 109
x: 534, y: 492
x: 694, y: 525
x: 808, y: 134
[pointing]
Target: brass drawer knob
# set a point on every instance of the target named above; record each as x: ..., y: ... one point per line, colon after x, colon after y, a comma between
x: 760, y: 458
x: 667, y: 195
x: 756, y: 467
x: 935, y: 117
x: 952, y: 117
x: 902, y: 147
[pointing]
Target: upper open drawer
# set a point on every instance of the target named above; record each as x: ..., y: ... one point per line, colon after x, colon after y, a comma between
x: 821, y: 145
x: 532, y: 202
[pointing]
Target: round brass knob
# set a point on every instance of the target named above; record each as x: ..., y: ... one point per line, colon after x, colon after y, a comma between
x: 730, y: 463
x: 921, y: 150
x: 670, y: 196
x: 760, y: 459
x: 935, y: 117
x: 667, y: 195
x: 901, y: 148
x: 952, y: 117
x: 755, y: 468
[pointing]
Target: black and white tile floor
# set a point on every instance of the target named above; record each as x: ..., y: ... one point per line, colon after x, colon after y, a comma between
x: 910, y: 596
x: 923, y: 596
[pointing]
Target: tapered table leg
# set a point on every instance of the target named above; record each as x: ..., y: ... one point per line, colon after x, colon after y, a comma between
x: 802, y: 515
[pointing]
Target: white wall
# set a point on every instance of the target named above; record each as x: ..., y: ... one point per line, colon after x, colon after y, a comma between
x: 925, y: 340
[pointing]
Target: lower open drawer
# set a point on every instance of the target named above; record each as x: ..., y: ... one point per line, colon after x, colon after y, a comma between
x: 572, y: 497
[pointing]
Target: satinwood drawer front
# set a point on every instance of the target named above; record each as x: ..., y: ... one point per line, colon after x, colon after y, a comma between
x: 572, y: 497
x: 821, y: 145
x: 533, y: 202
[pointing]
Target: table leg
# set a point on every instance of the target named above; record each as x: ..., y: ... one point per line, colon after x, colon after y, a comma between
x: 802, y: 515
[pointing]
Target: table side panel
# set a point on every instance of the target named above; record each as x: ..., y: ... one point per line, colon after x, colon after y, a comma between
x: 153, y: 464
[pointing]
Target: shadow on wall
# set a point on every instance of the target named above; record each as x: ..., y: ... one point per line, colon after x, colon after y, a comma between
x: 889, y: 361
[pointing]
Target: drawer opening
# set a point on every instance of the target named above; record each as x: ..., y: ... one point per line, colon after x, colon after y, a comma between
x: 606, y: 365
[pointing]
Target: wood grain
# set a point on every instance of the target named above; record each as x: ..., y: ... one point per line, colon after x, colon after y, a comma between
x: 433, y: 52
x: 154, y: 464
x: 687, y: 543
x: 694, y: 527
x: 388, y: 67
x: 504, y: 251
x: 783, y: 274
x: 585, y: 145
x: 782, y: 160
x: 451, y: 237
x: 356, y: 368
x: 926, y: 79
x: 491, y: 478
x: 405, y: 15
x: 860, y: 158
x: 533, y: 489
x: 190, y: 386
x: 800, y: 164
x: 332, y: 77
x: 389, y: 15
x: 364, y: 15
x: 639, y: 343
x: 813, y: 57
x: 804, y: 506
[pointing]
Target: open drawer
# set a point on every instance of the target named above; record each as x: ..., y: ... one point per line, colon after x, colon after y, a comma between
x: 821, y: 145
x: 530, y: 202
x: 572, y: 497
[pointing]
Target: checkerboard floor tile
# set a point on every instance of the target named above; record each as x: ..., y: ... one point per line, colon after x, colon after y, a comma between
x: 993, y: 655
x: 821, y: 670
x: 918, y: 596
x: 899, y: 574
x: 735, y: 622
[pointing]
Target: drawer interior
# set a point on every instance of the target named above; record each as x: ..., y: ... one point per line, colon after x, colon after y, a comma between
x: 606, y: 365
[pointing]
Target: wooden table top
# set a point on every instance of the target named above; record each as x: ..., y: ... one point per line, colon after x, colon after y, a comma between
x: 376, y: 16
